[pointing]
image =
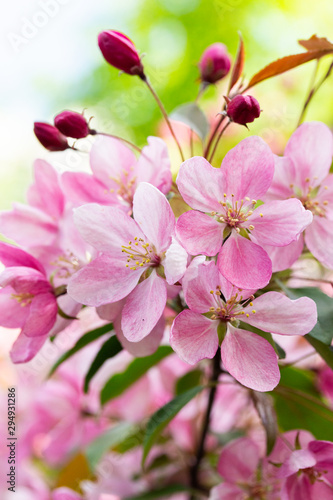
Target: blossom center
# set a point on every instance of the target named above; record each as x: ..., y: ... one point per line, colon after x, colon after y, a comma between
x: 234, y: 213
x: 309, y: 201
x: 140, y: 254
x: 229, y: 310
x: 126, y: 184
x: 66, y: 265
x: 24, y: 298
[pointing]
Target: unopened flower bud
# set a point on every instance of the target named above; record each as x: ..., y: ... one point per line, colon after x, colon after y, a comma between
x: 214, y: 63
x: 119, y: 51
x: 72, y: 124
x: 50, y: 137
x: 243, y: 109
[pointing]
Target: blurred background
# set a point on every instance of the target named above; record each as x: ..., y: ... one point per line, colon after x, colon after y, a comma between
x: 51, y: 61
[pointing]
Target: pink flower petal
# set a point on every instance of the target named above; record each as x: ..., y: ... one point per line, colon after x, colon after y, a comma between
x: 325, y: 196
x: 14, y: 256
x: 323, y: 452
x: 152, y: 212
x: 25, y: 348
x: 249, y: 169
x: 144, y: 308
x: 297, y: 487
x: 109, y: 159
x: 284, y: 179
x: 147, y: 345
x: 284, y: 257
x: 106, y: 228
x: 199, y: 233
x: 250, y: 359
x: 279, y: 223
x: 194, y: 337
x: 276, y: 313
x: 299, y: 459
x: 226, y: 491
x: 65, y: 494
x: 311, y: 149
x: 239, y: 460
x: 110, y: 312
x: 175, y: 262
x: 319, y: 240
x: 244, y: 264
x: 200, y: 184
x: 46, y: 193
x: 24, y: 280
x: 81, y: 188
x: 102, y: 281
x: 153, y: 166
x: 197, y: 285
x: 12, y: 314
x: 42, y: 315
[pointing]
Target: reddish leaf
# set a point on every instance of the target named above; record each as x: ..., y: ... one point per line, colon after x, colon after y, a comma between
x: 239, y: 63
x: 285, y: 64
x: 316, y: 43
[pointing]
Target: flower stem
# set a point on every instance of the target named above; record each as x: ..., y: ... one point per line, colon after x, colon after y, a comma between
x: 218, y: 140
x: 216, y: 370
x: 165, y: 115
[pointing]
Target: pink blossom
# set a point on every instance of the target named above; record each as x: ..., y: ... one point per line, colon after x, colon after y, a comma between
x: 138, y: 257
x: 305, y: 466
x: 224, y: 202
x: 116, y: 173
x: 248, y: 357
x: 239, y: 464
x: 303, y: 173
x: 27, y: 301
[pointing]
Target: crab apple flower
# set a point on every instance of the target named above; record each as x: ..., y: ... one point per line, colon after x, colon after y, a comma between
x: 50, y: 137
x: 303, y: 173
x: 213, y: 301
x: 72, y: 124
x: 243, y: 109
x: 117, y: 172
x: 136, y: 255
x: 238, y: 465
x: 214, y: 63
x: 27, y: 300
x: 119, y: 51
x: 225, y: 219
x: 305, y: 466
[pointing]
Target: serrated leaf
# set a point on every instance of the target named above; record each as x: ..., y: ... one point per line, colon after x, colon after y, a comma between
x: 163, y: 416
x: 193, y: 117
x: 298, y: 405
x: 118, y: 383
x: 316, y: 43
x: 265, y: 408
x: 109, y: 349
x: 187, y: 381
x: 110, y: 439
x: 86, y: 339
x: 237, y: 69
x: 323, y: 330
x: 285, y: 64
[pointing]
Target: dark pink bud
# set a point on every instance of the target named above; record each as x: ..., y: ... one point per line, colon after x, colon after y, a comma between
x: 72, y: 124
x: 214, y: 63
x: 119, y: 51
x: 243, y: 109
x: 50, y: 137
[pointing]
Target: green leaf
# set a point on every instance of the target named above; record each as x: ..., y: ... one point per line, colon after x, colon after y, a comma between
x: 163, y: 416
x: 298, y: 405
x: 187, y: 381
x: 118, y: 383
x: 108, y: 350
x: 265, y: 408
x: 86, y: 339
x: 193, y: 116
x: 323, y: 330
x: 325, y: 351
x: 164, y: 492
x: 106, y: 441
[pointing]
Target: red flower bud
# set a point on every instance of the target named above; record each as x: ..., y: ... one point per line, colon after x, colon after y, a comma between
x: 72, y: 124
x: 243, y: 109
x: 50, y: 137
x: 214, y: 63
x: 119, y: 51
